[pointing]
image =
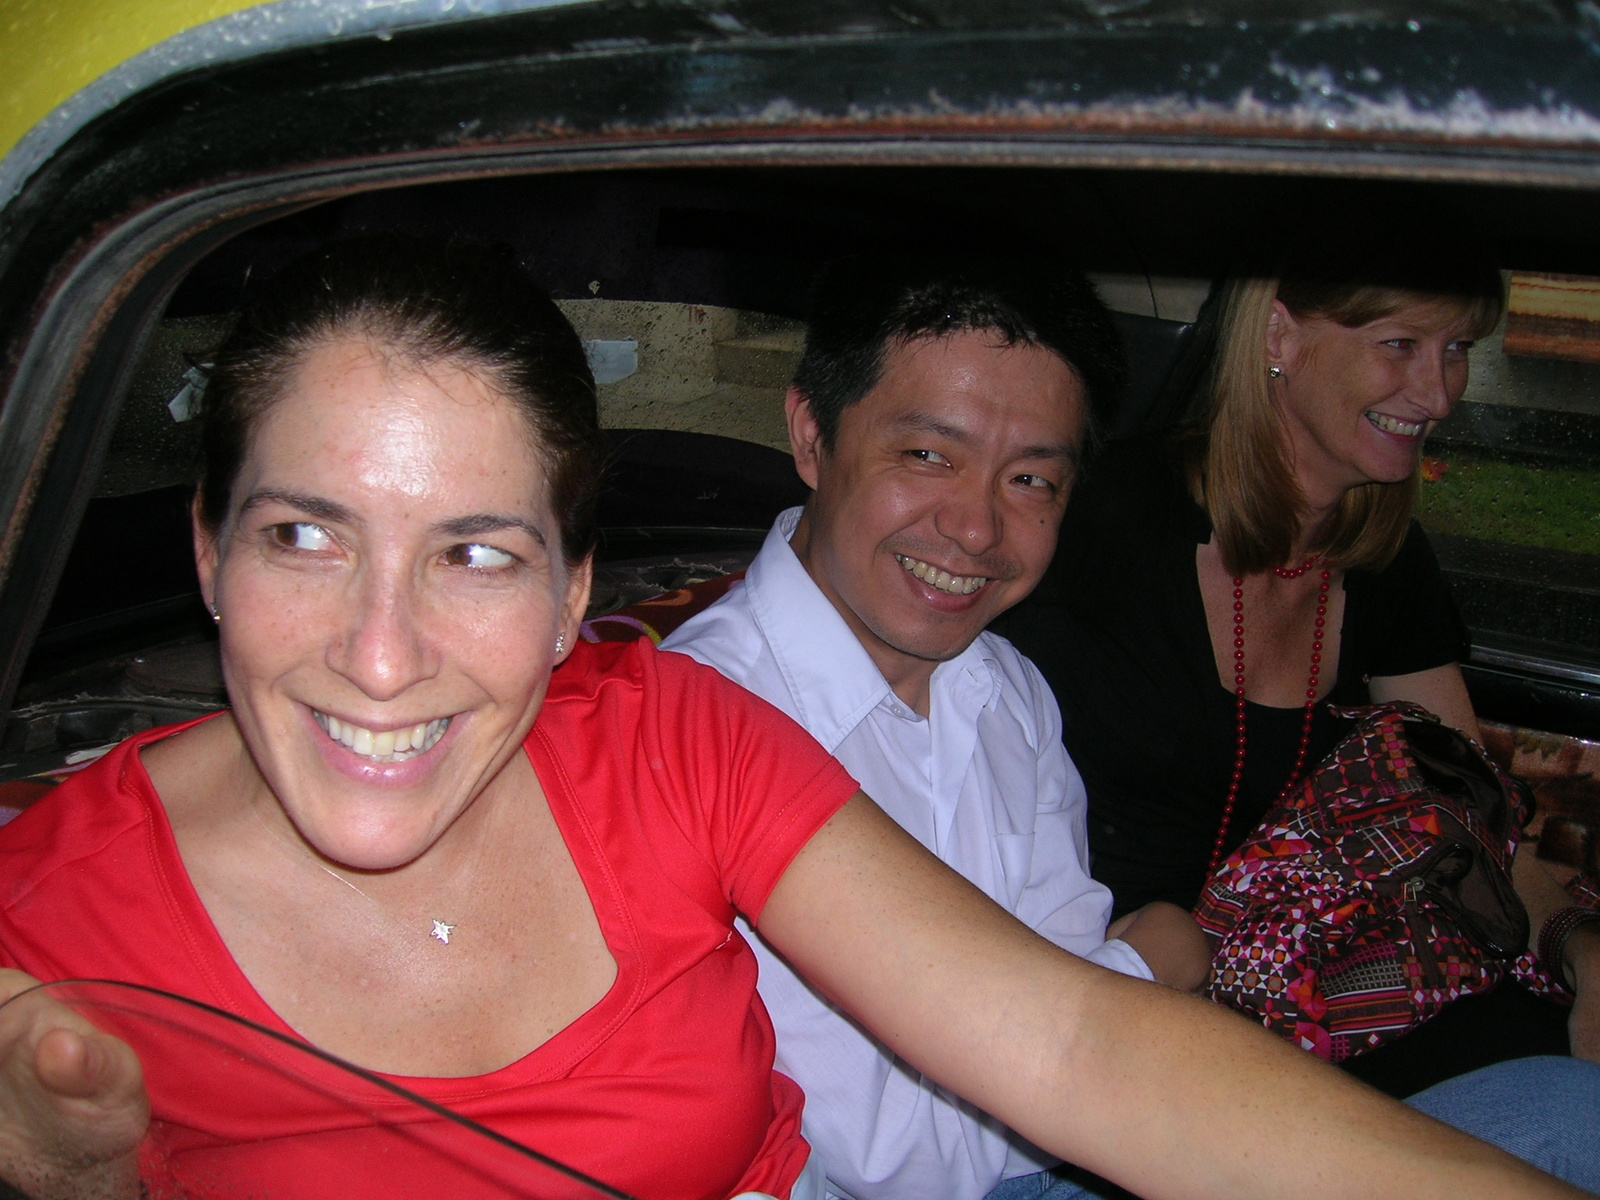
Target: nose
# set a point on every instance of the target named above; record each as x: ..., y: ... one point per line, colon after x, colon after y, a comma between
x: 970, y: 516
x: 383, y: 648
x: 1438, y: 381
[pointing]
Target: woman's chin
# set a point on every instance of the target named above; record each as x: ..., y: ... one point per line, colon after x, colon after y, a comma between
x: 374, y: 816
x: 1392, y: 460
x: 371, y: 841
x: 1398, y: 475
x: 379, y: 814
x: 1387, y: 468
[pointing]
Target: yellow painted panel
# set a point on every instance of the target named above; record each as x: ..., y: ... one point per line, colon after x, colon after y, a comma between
x: 1540, y: 294
x: 52, y: 48
x: 1554, y: 316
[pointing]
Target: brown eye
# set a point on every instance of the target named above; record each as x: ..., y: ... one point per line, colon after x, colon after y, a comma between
x: 301, y: 535
x: 477, y: 556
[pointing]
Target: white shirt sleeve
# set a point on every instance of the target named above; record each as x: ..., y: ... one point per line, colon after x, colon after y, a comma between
x: 882, y: 1130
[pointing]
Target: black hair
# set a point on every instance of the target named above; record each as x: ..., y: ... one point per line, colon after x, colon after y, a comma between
x: 427, y: 301
x: 862, y: 304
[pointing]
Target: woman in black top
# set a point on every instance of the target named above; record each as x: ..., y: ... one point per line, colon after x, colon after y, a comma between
x: 1149, y: 721
x: 1213, y: 593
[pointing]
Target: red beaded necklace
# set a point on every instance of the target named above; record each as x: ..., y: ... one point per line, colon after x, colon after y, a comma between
x: 1240, y: 740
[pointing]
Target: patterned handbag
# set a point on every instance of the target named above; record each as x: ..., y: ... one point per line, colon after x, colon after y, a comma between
x: 1375, y: 891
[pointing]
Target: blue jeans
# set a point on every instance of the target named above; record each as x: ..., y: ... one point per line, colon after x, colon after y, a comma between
x: 1546, y: 1111
x: 1044, y: 1184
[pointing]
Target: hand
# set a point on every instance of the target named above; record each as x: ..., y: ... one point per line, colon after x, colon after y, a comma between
x: 72, y: 1102
x: 1170, y: 941
x: 1582, y: 963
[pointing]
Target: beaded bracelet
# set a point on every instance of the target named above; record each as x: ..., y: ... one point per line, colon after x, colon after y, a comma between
x: 1555, y: 931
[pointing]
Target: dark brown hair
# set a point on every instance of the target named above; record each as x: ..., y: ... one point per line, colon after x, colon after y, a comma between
x: 425, y: 301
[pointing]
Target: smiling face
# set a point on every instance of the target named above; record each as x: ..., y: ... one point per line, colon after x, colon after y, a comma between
x: 1358, y: 402
x: 938, y: 506
x: 391, y: 587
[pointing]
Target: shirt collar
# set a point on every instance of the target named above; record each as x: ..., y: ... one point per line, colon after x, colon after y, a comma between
x: 832, y: 679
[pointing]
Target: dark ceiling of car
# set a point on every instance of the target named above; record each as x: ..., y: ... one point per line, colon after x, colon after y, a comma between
x: 752, y: 238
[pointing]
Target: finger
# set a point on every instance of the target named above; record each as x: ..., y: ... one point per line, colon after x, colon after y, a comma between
x: 72, y: 1104
x: 87, y: 1066
x: 13, y: 983
x: 28, y: 1011
x: 91, y: 1110
x: 63, y: 1063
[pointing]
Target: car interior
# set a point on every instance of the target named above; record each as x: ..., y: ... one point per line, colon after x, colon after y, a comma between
x: 689, y: 288
x: 675, y: 172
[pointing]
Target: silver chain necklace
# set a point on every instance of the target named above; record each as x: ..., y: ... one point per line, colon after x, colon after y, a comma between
x: 441, y: 930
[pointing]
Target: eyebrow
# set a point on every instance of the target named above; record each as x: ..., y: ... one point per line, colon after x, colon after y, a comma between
x: 478, y: 524
x: 922, y: 422
x: 313, y: 506
x: 323, y: 509
x: 1062, y: 451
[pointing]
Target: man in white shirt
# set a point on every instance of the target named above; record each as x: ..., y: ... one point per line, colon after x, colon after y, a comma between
x: 939, y: 414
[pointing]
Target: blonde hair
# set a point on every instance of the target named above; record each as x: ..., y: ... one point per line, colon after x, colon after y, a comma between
x: 1238, y: 459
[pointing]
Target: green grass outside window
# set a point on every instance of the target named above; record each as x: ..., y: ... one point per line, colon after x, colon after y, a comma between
x: 1556, y: 508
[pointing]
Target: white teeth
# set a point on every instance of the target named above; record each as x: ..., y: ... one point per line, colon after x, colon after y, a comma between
x: 392, y: 745
x: 955, y: 585
x: 1396, y: 426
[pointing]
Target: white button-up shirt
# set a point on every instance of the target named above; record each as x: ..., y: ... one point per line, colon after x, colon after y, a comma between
x: 985, y: 783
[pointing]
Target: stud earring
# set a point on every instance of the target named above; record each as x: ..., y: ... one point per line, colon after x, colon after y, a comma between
x: 216, y: 617
x: 561, y: 643
x: 1275, y: 371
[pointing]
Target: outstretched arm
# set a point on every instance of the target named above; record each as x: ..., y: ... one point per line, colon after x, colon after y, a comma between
x: 72, y: 1102
x: 1159, y: 1091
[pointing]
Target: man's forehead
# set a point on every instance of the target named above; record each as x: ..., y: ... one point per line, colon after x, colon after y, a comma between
x: 959, y: 385
x: 990, y: 348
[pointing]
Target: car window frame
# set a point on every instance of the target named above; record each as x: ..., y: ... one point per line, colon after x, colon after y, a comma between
x: 102, y: 231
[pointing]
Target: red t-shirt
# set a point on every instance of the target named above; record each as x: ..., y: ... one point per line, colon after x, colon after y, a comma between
x: 682, y: 800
